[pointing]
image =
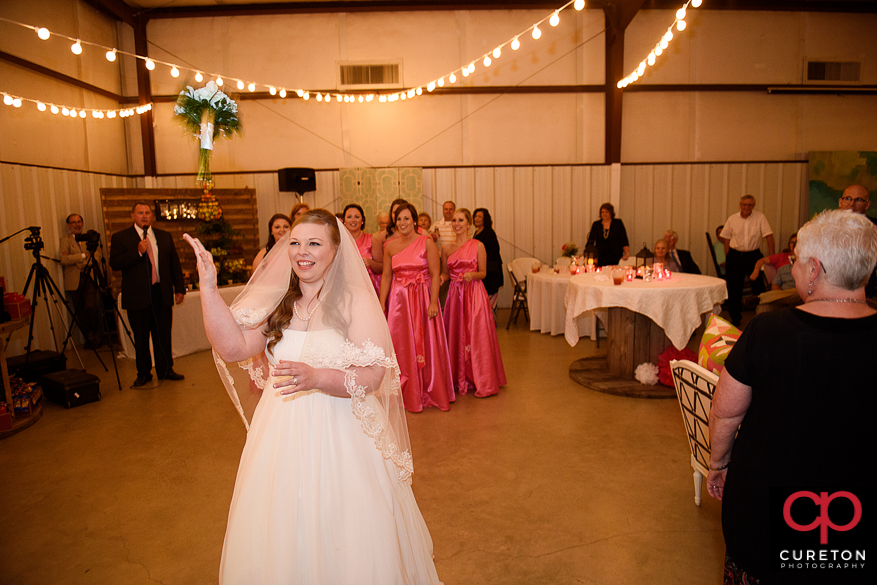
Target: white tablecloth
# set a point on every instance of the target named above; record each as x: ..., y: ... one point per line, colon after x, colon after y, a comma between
x: 188, y: 335
x: 676, y: 305
x: 546, y: 292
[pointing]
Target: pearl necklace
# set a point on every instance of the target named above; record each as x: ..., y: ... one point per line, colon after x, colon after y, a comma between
x: 311, y: 314
x: 857, y: 301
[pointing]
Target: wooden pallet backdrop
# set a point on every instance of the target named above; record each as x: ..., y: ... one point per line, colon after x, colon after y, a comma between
x: 238, y: 207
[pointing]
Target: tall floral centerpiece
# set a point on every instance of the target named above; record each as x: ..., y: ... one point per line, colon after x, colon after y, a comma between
x: 208, y: 114
x: 569, y: 249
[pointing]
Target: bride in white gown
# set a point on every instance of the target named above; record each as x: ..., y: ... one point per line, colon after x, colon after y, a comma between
x: 323, y: 492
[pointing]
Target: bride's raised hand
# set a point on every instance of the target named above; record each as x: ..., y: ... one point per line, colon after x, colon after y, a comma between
x: 206, y: 268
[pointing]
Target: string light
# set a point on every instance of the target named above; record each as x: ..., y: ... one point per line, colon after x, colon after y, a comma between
x: 680, y: 25
x: 553, y: 19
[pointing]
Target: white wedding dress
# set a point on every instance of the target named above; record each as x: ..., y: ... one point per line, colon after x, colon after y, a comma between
x: 315, y: 502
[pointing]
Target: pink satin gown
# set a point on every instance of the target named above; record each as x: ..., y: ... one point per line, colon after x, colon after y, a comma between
x: 476, y: 362
x: 420, y: 342
x: 364, y: 244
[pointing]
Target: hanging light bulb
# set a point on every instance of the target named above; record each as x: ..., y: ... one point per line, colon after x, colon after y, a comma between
x: 419, y: 91
x: 555, y: 19
x: 64, y: 111
x: 620, y: 84
x: 641, y: 69
x: 410, y: 93
x: 7, y: 99
x: 111, y: 114
x: 536, y: 32
x: 680, y: 14
x: 283, y: 93
x: 111, y: 55
x: 658, y: 50
x: 664, y: 43
x: 680, y: 25
x: 369, y: 97
x: 240, y: 84
x: 41, y: 106
x: 516, y: 44
x: 465, y: 72
x: 579, y: 4
x: 403, y: 97
x: 487, y: 61
x: 54, y: 109
x: 497, y: 52
x: 272, y: 90
x: 81, y: 113
x: 634, y: 76
x: 252, y: 86
x: 668, y: 36
x: 150, y: 64
x: 76, y: 48
x: 382, y: 98
x: 94, y: 113
x: 696, y: 3
x: 360, y: 99
x: 452, y: 78
x: 441, y: 82
x: 175, y: 72
x: 16, y: 102
x: 219, y: 81
x: 198, y: 77
x: 43, y: 33
x: 430, y: 86
x: 299, y: 92
x: 651, y: 58
x: 338, y: 97
x: 306, y: 96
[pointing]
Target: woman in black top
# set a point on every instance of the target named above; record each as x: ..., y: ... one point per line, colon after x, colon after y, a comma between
x: 610, y: 237
x: 484, y: 233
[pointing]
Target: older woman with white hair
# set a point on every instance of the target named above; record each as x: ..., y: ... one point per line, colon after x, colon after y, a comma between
x: 799, y: 384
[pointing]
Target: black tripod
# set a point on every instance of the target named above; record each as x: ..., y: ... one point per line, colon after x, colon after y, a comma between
x: 93, y: 284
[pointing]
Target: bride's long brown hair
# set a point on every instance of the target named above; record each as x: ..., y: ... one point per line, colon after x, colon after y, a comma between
x: 282, y: 315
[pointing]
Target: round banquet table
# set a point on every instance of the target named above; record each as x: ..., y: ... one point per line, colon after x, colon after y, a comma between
x: 546, y: 292
x: 643, y: 317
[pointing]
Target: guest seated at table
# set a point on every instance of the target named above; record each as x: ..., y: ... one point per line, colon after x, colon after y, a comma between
x: 278, y: 225
x: 354, y: 221
x: 476, y: 362
x: 298, y: 210
x: 776, y: 260
x: 610, y: 237
x: 661, y: 250
x: 409, y: 294
x: 484, y: 233
x: 680, y: 260
x: 782, y: 291
x: 796, y: 399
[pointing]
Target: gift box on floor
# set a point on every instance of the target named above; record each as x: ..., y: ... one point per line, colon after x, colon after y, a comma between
x: 18, y: 306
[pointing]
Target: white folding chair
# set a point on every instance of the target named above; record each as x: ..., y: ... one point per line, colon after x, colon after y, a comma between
x: 695, y: 387
x: 563, y: 261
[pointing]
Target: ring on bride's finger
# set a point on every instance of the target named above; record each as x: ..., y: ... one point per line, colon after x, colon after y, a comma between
x: 294, y: 381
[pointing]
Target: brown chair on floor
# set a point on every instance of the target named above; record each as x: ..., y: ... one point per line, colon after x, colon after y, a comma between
x: 695, y: 387
x: 518, y: 269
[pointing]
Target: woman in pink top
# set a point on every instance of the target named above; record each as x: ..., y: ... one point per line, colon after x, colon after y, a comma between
x: 354, y: 221
x: 476, y: 362
x: 409, y: 291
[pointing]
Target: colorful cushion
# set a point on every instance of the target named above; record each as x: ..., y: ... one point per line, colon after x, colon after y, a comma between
x: 718, y: 340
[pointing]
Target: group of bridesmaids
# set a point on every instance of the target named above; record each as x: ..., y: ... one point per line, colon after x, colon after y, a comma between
x: 440, y: 354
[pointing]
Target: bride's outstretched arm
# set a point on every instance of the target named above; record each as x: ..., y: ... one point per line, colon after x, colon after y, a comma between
x: 230, y: 342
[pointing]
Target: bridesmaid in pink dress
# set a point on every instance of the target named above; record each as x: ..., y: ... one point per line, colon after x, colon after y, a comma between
x: 475, y: 359
x: 354, y: 221
x: 411, y: 283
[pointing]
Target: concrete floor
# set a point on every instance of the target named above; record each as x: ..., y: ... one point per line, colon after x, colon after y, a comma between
x: 545, y: 483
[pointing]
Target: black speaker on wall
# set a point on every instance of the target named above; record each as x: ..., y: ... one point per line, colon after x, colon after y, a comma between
x: 297, y: 180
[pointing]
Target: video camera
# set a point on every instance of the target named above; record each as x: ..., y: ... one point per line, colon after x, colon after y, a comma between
x: 91, y: 239
x: 34, y: 241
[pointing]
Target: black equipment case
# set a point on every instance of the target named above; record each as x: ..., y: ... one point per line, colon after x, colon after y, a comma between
x: 38, y: 362
x: 71, y: 387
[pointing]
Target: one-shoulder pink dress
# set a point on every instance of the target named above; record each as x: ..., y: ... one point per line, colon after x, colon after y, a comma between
x: 420, y: 342
x: 364, y: 244
x: 474, y: 351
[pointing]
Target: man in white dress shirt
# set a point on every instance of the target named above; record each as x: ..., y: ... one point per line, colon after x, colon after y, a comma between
x: 742, y: 237
x: 442, y: 231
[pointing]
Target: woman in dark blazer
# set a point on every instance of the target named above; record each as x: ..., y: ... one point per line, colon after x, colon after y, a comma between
x: 610, y: 237
x: 484, y: 233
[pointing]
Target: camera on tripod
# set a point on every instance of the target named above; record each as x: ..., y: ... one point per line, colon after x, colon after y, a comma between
x: 34, y: 241
x: 91, y: 239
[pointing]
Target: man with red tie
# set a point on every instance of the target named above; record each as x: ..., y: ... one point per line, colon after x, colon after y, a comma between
x: 152, y: 282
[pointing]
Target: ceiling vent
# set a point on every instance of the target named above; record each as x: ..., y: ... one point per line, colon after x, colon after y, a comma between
x: 370, y: 75
x: 833, y: 72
